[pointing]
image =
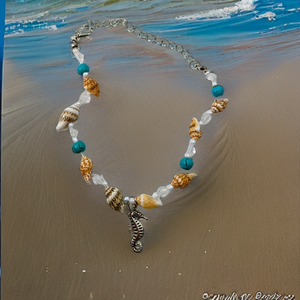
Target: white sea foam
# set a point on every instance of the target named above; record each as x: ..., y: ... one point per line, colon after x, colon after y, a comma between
x: 28, y: 19
x: 270, y: 15
x: 221, y: 13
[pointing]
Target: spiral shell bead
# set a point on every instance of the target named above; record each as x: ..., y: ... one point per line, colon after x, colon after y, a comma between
x: 219, y: 105
x: 148, y: 202
x: 195, y: 131
x: 86, y: 166
x: 114, y: 198
x: 69, y: 115
x: 91, y: 85
x: 182, y: 180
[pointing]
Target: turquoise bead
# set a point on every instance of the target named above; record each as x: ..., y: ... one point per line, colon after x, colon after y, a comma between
x: 83, y: 68
x: 186, y: 163
x: 78, y: 147
x: 217, y: 90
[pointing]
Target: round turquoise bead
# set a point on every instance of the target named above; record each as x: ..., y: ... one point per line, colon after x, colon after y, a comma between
x: 83, y: 68
x: 78, y: 147
x: 186, y: 163
x: 217, y: 90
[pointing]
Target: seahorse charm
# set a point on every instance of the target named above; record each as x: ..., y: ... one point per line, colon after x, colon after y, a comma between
x: 136, y: 228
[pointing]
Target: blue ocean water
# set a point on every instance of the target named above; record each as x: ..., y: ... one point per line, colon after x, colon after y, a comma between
x: 245, y: 18
x: 215, y: 27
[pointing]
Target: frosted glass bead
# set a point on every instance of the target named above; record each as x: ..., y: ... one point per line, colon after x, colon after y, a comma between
x: 84, y: 98
x: 212, y: 77
x: 155, y: 195
x: 170, y: 187
x: 99, y: 179
x: 73, y: 133
x: 191, y: 150
x: 79, y: 56
x: 206, y: 117
x: 162, y: 191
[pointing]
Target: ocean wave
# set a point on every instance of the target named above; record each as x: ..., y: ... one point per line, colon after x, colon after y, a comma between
x: 22, y: 26
x: 221, y: 13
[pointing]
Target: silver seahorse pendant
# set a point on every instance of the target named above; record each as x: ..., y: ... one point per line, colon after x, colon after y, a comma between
x: 136, y: 228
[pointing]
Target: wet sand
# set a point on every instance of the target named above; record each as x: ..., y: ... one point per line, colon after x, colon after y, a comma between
x: 235, y: 228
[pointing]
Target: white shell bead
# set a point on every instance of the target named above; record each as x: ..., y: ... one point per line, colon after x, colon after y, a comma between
x: 69, y: 115
x: 212, y: 77
x: 191, y: 150
x: 79, y: 56
x: 99, y: 179
x: 73, y: 133
x: 84, y: 98
x: 206, y: 117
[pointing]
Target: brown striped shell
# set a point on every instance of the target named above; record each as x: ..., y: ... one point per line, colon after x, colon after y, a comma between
x: 114, y: 198
x: 147, y: 201
x: 69, y: 115
x: 91, y: 85
x: 182, y: 180
x: 195, y: 131
x: 86, y: 166
x: 219, y: 105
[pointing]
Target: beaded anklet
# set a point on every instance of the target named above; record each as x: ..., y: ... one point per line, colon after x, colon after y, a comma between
x: 70, y: 115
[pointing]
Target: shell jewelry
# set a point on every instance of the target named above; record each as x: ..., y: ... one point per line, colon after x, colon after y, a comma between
x: 86, y: 166
x: 70, y: 115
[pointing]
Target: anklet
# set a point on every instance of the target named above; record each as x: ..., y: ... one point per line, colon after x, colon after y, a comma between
x: 70, y: 115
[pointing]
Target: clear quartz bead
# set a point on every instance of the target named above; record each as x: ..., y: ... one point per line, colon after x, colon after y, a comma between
x: 212, y: 77
x: 191, y: 150
x: 170, y: 187
x: 79, y: 56
x: 162, y: 192
x: 84, y: 98
x: 99, y: 179
x: 155, y: 196
x: 73, y: 133
x: 206, y: 117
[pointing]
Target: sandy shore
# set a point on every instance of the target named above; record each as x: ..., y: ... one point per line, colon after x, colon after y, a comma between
x: 235, y: 228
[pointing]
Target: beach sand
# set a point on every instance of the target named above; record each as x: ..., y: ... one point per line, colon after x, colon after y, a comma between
x: 235, y: 228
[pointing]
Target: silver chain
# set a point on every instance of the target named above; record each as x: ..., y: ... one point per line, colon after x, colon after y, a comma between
x: 87, y: 29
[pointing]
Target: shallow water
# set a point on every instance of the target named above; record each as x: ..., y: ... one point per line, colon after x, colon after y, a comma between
x: 212, y: 29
